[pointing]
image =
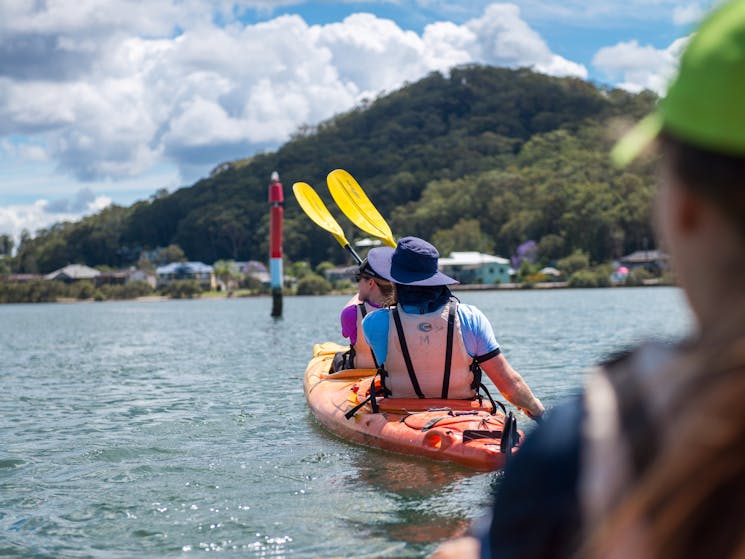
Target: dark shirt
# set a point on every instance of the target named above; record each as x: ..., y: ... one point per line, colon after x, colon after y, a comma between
x: 536, y: 508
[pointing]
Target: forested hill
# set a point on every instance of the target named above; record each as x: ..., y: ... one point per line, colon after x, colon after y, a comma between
x: 482, y: 159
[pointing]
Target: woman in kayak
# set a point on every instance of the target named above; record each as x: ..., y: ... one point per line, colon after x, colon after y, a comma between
x: 650, y: 460
x: 429, y: 344
x: 373, y: 292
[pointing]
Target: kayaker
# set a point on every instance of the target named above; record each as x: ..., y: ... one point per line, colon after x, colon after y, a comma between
x: 373, y: 292
x: 429, y: 344
x: 650, y: 460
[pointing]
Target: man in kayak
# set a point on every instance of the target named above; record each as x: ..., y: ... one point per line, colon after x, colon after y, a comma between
x: 373, y: 293
x: 429, y: 344
x: 650, y: 460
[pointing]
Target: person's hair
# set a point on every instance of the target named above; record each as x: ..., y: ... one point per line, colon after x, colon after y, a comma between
x: 388, y: 289
x: 690, y: 502
x: 714, y: 176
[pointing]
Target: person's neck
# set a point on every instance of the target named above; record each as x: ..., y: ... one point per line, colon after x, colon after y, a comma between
x: 712, y: 305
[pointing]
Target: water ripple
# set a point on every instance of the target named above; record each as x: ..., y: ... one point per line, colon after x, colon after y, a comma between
x: 176, y: 428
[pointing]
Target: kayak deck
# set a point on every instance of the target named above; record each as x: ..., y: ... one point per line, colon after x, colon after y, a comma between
x: 459, y: 431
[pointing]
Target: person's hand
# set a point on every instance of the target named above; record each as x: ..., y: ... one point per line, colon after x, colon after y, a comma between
x: 461, y: 548
x: 535, y: 415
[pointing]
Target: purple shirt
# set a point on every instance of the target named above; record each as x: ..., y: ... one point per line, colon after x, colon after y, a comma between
x: 349, y: 322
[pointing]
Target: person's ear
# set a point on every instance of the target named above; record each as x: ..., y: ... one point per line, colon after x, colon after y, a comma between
x: 689, y: 211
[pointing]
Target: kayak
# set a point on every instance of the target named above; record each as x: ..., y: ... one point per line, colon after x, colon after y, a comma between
x: 464, y: 432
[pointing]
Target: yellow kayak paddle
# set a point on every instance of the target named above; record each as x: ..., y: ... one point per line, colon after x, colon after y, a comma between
x: 355, y: 204
x: 317, y: 211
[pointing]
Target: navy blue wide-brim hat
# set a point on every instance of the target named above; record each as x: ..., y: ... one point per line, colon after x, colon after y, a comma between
x: 412, y: 262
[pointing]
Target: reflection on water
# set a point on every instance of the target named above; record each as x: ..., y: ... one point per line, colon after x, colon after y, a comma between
x: 172, y: 428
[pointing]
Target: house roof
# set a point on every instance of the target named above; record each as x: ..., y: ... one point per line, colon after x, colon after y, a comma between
x: 74, y: 271
x: 471, y: 259
x: 368, y: 242
x: 645, y: 256
x: 249, y: 267
x: 549, y: 271
x: 190, y: 267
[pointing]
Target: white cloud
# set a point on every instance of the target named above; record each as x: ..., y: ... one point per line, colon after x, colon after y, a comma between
x: 112, y: 89
x: 24, y: 151
x: 31, y: 217
x: 505, y: 39
x: 636, y: 67
x: 685, y: 15
x: 607, y: 14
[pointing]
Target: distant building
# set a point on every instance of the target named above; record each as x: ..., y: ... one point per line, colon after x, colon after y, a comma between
x: 476, y: 268
x: 197, y: 271
x: 341, y: 273
x: 142, y: 275
x: 550, y: 271
x: 252, y: 268
x: 20, y: 278
x: 654, y: 261
x: 74, y: 272
x: 368, y: 243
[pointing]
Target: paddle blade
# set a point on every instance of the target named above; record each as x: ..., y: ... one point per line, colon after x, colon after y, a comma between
x: 317, y: 211
x: 355, y: 204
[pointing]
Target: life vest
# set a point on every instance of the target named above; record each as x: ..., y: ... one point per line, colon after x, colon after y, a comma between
x: 426, y: 356
x: 362, y: 352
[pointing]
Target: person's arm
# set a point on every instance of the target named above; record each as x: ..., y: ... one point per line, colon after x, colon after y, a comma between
x: 512, y: 386
x: 480, y: 342
x: 461, y: 548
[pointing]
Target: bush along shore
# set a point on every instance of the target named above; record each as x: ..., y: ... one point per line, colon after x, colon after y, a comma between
x: 45, y: 291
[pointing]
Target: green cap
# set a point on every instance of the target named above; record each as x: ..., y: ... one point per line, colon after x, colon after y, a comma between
x: 705, y: 104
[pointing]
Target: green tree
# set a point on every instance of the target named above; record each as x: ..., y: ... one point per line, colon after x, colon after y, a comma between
x: 172, y: 253
x: 576, y: 261
x: 323, y: 267
x: 224, y: 272
x: 551, y: 247
x: 313, y: 284
x: 6, y: 245
x: 300, y: 269
x: 465, y: 235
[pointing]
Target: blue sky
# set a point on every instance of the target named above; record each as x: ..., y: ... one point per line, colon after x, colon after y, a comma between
x: 107, y: 101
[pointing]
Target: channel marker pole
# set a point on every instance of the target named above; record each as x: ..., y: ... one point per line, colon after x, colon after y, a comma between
x: 276, y: 201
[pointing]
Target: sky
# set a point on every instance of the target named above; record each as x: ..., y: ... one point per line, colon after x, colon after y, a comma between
x: 109, y: 101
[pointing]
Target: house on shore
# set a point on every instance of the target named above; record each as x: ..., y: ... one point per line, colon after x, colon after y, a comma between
x: 654, y: 261
x: 252, y: 268
x: 197, y: 271
x: 341, y: 273
x: 74, y: 272
x: 78, y: 272
x: 477, y: 268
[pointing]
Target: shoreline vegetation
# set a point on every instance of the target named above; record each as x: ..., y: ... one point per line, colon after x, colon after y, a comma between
x: 83, y: 291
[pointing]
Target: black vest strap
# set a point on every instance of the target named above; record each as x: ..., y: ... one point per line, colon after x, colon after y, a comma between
x: 372, y: 398
x: 405, y: 352
x: 476, y: 370
x: 448, y: 351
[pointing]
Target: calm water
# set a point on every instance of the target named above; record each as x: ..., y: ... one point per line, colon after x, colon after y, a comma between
x: 168, y: 429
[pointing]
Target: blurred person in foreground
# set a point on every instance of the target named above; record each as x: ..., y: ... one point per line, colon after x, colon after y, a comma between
x: 650, y: 460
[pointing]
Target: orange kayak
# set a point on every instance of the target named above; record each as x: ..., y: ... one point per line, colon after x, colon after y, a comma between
x: 459, y: 431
